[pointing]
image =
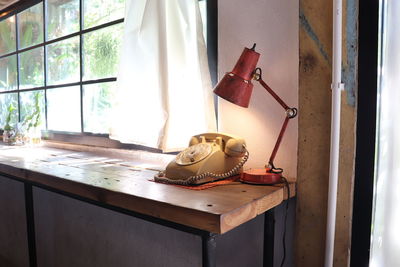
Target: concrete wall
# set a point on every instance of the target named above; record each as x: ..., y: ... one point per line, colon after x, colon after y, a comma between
x: 273, y: 25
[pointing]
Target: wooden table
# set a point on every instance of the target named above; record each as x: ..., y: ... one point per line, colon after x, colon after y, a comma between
x: 122, y: 180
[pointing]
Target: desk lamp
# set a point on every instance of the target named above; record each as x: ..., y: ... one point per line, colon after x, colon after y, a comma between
x: 236, y: 87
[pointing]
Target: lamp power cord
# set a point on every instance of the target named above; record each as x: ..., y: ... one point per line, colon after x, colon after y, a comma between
x: 284, y: 180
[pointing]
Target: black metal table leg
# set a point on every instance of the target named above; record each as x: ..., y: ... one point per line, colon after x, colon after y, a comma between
x: 269, y: 238
x: 209, y: 247
x: 30, y: 225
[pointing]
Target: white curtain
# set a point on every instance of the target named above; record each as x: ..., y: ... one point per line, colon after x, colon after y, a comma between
x: 164, y: 93
x: 385, y: 241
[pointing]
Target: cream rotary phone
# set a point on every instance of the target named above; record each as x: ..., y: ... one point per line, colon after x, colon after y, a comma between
x: 209, y: 157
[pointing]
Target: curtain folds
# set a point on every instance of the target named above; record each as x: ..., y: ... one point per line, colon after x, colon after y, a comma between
x: 164, y: 93
x: 385, y: 241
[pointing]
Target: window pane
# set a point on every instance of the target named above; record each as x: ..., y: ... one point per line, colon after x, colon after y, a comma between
x: 97, y: 12
x: 31, y: 68
x: 63, y: 61
x: 62, y: 18
x: 6, y: 101
x: 97, y: 99
x: 30, y: 26
x: 7, y: 35
x: 64, y: 109
x: 32, y: 108
x: 8, y: 73
x: 101, y: 52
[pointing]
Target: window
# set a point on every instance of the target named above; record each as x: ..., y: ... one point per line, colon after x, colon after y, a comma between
x: 62, y: 54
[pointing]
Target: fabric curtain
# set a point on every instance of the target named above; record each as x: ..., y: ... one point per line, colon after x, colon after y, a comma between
x: 385, y: 241
x: 164, y: 93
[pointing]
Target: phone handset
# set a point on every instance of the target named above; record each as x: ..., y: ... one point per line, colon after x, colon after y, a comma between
x: 209, y: 157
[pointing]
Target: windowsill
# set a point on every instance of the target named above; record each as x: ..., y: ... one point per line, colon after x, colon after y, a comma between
x: 98, y: 140
x: 122, y: 178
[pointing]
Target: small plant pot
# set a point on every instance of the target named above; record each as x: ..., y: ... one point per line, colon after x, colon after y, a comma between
x: 36, y: 136
x: 33, y: 136
x: 7, y: 136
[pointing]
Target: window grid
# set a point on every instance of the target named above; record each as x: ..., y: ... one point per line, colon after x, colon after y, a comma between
x: 45, y: 44
x: 16, y: 49
x: 44, y: 65
x: 81, y: 8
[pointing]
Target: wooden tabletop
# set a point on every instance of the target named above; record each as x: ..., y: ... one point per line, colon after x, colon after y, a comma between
x: 124, y: 179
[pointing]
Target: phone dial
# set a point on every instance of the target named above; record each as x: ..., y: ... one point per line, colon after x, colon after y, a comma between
x: 209, y: 157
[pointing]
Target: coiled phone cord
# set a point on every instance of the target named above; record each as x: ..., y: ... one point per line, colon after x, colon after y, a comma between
x: 160, y: 177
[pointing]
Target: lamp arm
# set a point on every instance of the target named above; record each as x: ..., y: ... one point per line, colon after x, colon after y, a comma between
x: 290, y: 114
x: 270, y: 166
x: 273, y: 94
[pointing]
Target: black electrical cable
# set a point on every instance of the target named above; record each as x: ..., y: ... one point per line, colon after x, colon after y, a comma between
x: 275, y: 170
x: 285, y: 220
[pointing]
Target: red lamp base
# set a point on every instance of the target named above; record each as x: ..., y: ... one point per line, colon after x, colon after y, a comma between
x: 260, y: 176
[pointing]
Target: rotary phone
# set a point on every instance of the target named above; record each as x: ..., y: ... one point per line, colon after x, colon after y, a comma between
x: 209, y: 157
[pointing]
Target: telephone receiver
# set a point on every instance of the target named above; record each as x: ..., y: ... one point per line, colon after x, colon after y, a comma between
x: 209, y: 157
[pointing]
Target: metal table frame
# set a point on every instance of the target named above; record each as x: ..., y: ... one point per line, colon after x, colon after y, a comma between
x: 209, y: 242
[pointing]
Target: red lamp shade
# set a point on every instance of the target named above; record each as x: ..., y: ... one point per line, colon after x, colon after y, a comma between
x: 236, y: 86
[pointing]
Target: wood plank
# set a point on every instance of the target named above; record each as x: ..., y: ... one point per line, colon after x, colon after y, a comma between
x: 315, y: 36
x: 128, y: 184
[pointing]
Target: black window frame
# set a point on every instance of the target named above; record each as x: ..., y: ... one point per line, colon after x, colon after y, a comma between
x: 95, y: 139
x: 366, y: 132
x: 44, y: 44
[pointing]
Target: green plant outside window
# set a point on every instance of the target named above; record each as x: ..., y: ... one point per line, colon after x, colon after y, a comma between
x: 56, y: 60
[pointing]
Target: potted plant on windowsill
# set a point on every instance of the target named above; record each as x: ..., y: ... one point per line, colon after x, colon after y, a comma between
x: 8, y: 129
x: 32, y: 123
